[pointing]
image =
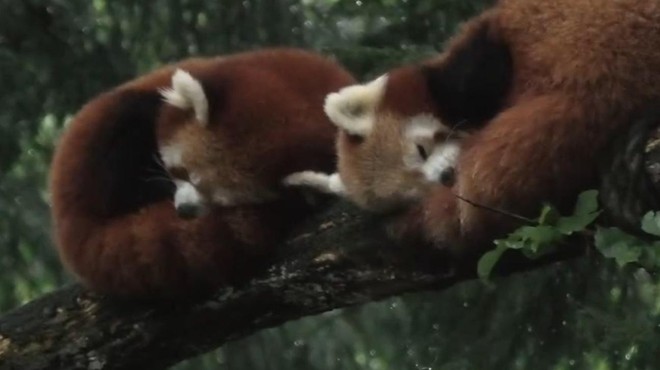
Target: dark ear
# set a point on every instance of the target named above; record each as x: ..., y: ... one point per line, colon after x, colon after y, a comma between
x: 216, y: 97
x: 471, y: 84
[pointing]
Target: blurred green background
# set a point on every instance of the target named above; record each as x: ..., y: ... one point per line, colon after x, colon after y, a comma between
x: 55, y: 55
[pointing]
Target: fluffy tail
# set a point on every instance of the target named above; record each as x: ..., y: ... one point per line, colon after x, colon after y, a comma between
x: 115, y: 225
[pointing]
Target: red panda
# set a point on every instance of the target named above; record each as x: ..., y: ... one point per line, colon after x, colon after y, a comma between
x: 539, y: 89
x: 171, y: 183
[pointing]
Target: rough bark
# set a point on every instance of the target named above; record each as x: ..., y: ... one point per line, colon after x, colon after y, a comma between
x: 340, y: 258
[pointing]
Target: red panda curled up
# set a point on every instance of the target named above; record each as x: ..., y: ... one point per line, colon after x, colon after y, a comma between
x: 538, y: 90
x: 170, y: 184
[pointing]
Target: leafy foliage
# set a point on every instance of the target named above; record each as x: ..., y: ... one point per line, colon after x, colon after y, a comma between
x: 626, y: 248
x: 551, y: 230
x: 586, y: 212
x: 651, y: 223
x: 614, y: 243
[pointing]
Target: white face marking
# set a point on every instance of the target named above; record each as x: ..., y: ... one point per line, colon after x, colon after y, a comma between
x: 443, y: 157
x: 172, y: 155
x: 423, y: 127
x: 186, y: 194
x: 420, y: 131
x: 353, y: 107
x: 185, y: 93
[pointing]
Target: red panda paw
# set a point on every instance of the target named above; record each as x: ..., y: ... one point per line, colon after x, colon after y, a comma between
x: 321, y: 182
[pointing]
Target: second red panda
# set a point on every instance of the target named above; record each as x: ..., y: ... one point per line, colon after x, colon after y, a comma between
x: 539, y: 87
x: 226, y: 130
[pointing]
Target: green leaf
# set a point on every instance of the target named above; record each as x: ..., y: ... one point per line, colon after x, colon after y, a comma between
x: 549, y: 215
x: 539, y: 236
x: 512, y: 242
x: 651, y: 256
x: 532, y: 241
x: 587, y: 203
x: 488, y: 261
x: 536, y: 241
x: 585, y: 212
x: 651, y: 223
x: 622, y: 247
x: 579, y: 222
x: 623, y: 254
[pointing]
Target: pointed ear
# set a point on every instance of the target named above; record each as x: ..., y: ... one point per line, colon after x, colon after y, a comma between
x: 471, y: 81
x: 187, y: 93
x: 353, y: 108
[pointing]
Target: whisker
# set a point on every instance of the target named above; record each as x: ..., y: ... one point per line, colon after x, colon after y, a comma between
x: 455, y: 130
x: 159, y: 161
x: 158, y: 178
x: 157, y: 171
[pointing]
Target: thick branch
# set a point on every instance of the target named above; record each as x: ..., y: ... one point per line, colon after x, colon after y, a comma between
x: 341, y: 258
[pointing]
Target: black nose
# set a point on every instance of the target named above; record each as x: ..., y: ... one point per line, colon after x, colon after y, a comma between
x: 188, y: 210
x: 448, y: 177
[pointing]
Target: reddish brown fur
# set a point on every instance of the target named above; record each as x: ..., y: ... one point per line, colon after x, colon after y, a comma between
x: 405, y: 94
x: 279, y: 129
x: 581, y: 69
x: 115, y: 224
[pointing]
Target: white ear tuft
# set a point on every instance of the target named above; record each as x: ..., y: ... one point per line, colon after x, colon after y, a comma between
x: 423, y: 127
x: 353, y: 107
x: 186, y: 93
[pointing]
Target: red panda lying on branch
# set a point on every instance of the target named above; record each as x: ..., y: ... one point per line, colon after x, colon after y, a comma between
x: 536, y: 89
x: 167, y: 184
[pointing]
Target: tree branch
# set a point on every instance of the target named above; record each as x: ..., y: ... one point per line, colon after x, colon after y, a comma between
x: 341, y: 257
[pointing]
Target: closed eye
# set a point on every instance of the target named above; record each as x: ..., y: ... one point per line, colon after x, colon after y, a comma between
x: 422, y: 152
x: 179, y: 173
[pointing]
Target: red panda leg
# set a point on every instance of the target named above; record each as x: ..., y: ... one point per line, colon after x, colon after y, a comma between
x: 544, y: 149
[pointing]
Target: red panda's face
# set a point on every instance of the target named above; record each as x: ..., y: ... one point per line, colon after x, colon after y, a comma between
x: 206, y: 168
x: 206, y: 173
x: 388, y: 153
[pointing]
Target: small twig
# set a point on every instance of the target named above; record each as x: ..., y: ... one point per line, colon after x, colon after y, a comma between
x: 497, y: 210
